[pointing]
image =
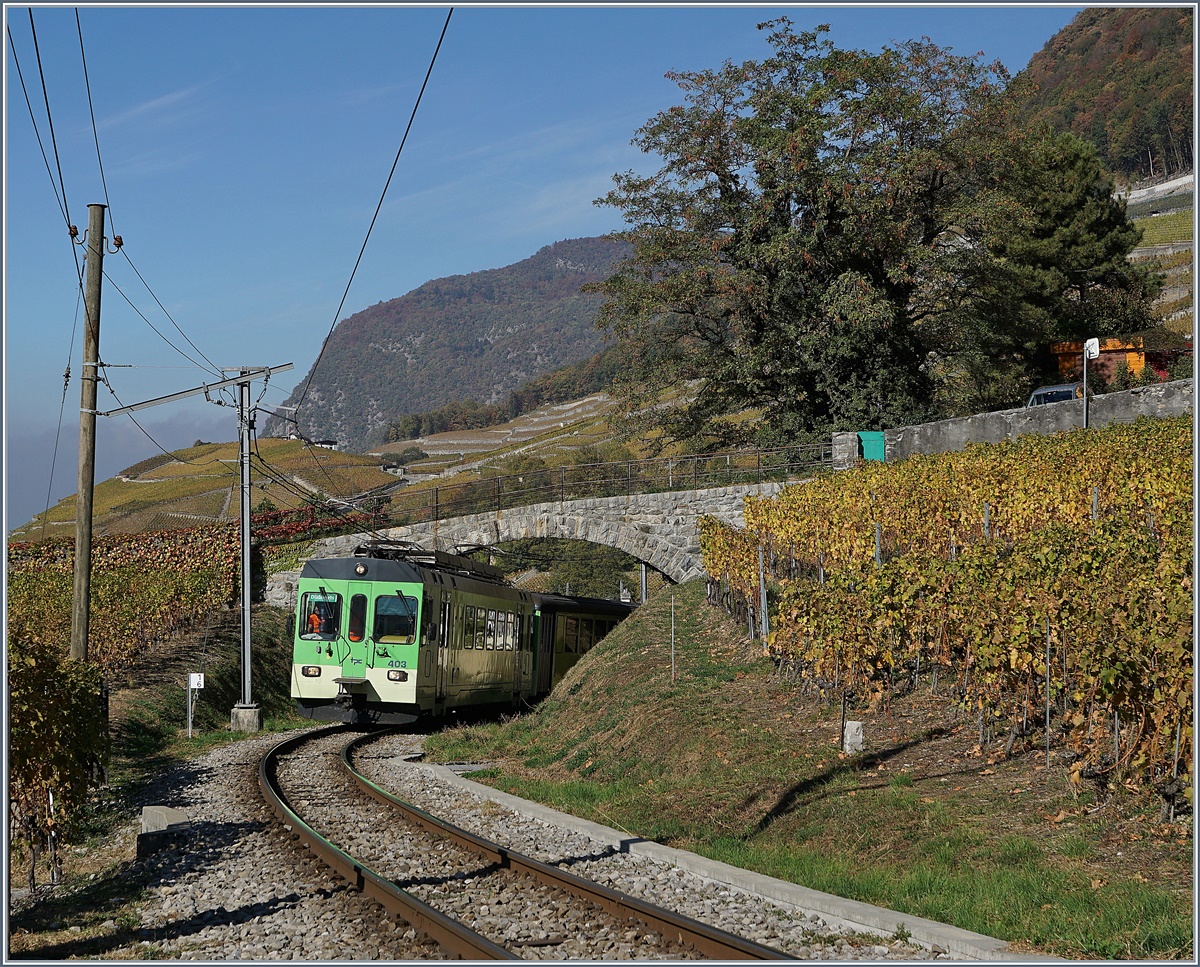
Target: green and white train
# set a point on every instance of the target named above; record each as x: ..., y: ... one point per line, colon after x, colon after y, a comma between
x: 395, y: 633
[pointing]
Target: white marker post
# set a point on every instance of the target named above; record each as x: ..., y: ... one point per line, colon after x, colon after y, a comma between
x: 195, y: 683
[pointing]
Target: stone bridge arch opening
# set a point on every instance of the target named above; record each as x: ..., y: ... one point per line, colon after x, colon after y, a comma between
x: 574, y: 565
x: 655, y: 551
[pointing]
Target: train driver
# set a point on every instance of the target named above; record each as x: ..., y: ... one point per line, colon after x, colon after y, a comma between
x: 319, y: 623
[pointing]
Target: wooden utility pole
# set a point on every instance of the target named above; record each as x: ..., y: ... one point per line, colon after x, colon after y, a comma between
x: 89, y: 378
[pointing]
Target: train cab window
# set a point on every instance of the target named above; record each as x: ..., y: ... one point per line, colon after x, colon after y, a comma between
x: 469, y: 627
x: 490, y: 633
x: 586, y: 632
x: 358, y: 617
x: 320, y: 612
x: 571, y: 635
x: 395, y: 619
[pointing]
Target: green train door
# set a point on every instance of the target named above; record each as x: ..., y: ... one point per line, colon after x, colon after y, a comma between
x: 358, y: 655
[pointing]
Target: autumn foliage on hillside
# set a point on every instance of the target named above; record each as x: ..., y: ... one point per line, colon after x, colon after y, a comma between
x: 1122, y: 79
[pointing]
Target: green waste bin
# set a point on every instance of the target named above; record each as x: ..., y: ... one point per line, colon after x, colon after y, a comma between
x: 871, y: 446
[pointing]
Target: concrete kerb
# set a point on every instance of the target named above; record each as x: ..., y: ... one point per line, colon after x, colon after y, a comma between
x: 162, y: 826
x: 836, y: 911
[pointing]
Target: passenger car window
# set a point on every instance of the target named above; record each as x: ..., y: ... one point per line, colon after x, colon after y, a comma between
x: 395, y: 619
x: 490, y: 633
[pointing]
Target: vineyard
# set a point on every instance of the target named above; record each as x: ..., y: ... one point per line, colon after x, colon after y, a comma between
x: 147, y: 589
x: 1167, y: 229
x: 1044, y: 585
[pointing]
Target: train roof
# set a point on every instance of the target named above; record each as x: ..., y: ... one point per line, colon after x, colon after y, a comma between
x: 404, y: 563
x: 565, y: 602
x: 343, y: 569
x: 438, y: 560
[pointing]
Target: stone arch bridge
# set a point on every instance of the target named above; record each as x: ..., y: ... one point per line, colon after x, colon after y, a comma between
x: 662, y: 529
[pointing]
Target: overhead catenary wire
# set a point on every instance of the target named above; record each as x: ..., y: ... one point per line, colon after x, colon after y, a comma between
x: 49, y: 117
x: 284, y: 481
x: 281, y: 477
x: 211, y: 367
x: 61, y: 201
x: 91, y: 111
x: 378, y: 207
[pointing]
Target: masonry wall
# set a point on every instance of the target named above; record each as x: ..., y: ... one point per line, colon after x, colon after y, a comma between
x: 1159, y: 400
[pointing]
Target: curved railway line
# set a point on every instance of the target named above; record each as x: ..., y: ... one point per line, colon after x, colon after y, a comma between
x: 476, y: 899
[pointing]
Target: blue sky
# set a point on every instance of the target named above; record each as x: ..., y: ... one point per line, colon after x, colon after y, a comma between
x: 244, y: 150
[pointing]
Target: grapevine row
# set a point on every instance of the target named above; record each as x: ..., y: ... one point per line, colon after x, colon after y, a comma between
x: 988, y: 568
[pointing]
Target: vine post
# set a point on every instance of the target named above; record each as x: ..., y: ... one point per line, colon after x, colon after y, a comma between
x: 1047, y: 693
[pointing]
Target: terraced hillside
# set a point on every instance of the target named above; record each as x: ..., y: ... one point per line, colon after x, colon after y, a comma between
x: 201, y: 485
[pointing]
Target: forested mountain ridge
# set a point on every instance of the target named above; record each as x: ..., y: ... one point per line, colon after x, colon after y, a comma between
x: 478, y: 336
x: 1121, y: 78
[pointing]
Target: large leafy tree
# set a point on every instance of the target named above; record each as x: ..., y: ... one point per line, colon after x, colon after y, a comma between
x: 821, y: 234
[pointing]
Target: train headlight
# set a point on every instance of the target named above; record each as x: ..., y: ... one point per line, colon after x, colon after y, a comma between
x: 311, y: 671
x: 395, y: 675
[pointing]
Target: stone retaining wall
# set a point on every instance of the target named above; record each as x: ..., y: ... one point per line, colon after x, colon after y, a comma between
x: 1158, y: 400
x: 943, y: 436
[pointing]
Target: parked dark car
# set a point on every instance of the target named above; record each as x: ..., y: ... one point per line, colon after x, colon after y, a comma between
x: 1056, y: 394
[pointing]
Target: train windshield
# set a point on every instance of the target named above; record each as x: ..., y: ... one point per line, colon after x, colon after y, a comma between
x: 320, y: 613
x: 395, y: 619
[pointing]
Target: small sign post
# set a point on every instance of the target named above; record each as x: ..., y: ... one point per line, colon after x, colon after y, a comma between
x: 195, y: 683
x: 1091, y: 350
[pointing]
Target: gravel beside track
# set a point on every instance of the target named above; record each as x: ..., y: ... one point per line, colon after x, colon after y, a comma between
x: 805, y: 936
x: 236, y: 886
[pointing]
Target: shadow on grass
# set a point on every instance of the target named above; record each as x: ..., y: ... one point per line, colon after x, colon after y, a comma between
x: 792, y: 798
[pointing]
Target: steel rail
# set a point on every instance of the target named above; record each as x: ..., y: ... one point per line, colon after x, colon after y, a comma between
x: 455, y: 938
x: 708, y: 940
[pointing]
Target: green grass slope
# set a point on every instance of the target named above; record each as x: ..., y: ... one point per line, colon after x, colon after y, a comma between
x: 704, y: 746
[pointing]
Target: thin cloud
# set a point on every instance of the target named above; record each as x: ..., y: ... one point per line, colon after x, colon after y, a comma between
x: 151, y: 163
x: 169, y: 108
x: 365, y: 95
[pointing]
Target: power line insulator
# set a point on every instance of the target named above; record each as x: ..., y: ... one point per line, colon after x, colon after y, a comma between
x: 73, y: 231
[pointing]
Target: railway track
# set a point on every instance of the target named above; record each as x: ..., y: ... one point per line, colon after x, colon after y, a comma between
x: 476, y: 899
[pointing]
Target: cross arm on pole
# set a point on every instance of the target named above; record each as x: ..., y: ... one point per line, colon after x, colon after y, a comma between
x: 248, y: 375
